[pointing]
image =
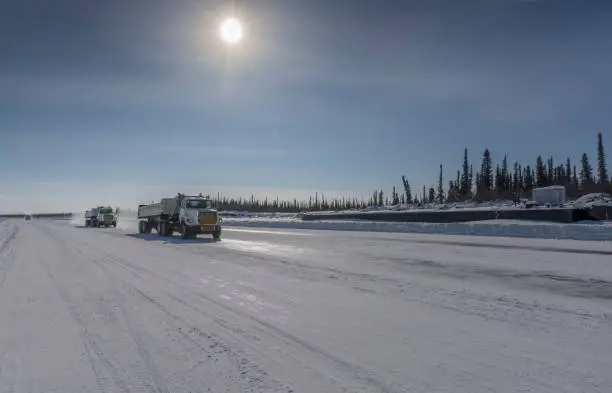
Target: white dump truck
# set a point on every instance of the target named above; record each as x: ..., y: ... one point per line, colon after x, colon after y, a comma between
x: 101, y: 216
x: 187, y: 215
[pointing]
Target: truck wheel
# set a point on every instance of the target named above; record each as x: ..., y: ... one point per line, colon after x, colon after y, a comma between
x: 217, y: 234
x: 148, y: 227
x: 161, y: 228
x: 114, y: 225
x: 143, y: 227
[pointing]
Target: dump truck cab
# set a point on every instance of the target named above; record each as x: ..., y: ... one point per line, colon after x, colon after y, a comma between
x: 198, y: 215
x: 106, y: 217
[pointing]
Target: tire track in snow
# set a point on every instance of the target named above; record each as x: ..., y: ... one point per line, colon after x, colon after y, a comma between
x: 365, y: 376
x: 253, y: 377
x: 149, y: 371
x: 6, y: 251
x: 358, y: 373
x: 255, y: 374
x: 245, y: 367
x: 92, y: 345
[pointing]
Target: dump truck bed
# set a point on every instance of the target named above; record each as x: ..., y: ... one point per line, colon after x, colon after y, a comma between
x: 166, y: 206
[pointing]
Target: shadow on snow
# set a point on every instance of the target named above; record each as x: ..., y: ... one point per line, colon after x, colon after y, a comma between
x: 170, y: 239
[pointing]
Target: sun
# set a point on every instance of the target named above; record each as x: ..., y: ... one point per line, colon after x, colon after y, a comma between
x: 231, y: 31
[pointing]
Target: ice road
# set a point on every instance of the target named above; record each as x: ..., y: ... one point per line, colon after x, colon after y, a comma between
x: 269, y: 310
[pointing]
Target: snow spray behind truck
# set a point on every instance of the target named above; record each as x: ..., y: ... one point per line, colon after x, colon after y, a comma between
x: 188, y: 215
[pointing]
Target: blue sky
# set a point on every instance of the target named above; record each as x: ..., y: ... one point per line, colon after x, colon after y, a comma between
x: 119, y: 102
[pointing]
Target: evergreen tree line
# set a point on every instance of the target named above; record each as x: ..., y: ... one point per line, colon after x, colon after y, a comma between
x: 490, y: 182
x: 512, y: 182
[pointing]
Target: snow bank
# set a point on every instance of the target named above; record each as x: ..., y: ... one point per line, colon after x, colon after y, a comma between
x: 592, y: 200
x: 500, y: 228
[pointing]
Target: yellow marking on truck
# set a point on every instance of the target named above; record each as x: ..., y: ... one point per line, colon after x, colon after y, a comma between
x: 208, y: 218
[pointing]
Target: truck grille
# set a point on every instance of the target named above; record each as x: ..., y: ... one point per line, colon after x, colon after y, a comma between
x: 209, y: 218
x: 108, y: 218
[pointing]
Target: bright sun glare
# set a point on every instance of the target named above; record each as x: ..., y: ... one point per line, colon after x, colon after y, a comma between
x: 231, y: 31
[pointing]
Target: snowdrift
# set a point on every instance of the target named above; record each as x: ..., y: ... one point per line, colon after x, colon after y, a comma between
x: 601, y: 231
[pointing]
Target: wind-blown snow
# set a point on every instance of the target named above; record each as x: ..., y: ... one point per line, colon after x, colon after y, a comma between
x: 107, y: 310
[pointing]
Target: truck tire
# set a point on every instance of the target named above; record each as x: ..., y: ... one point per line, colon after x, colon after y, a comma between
x: 162, y: 228
x: 186, y: 233
x: 217, y: 234
x: 148, y: 227
x: 143, y: 227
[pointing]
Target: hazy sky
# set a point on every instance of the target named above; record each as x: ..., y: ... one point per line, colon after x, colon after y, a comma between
x: 123, y: 101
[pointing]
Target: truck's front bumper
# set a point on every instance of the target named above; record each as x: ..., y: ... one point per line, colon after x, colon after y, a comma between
x: 209, y: 228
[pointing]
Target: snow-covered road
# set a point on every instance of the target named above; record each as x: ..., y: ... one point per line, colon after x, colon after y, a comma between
x: 271, y: 310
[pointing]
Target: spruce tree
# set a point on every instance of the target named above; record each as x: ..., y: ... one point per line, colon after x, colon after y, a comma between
x: 505, y: 176
x: 486, y: 173
x: 395, y: 197
x: 499, y: 181
x: 550, y: 176
x: 441, y: 186
x: 471, y: 181
x: 586, y: 174
x: 515, y: 178
x: 407, y: 188
x: 529, y: 180
x: 465, y: 176
x: 432, y: 195
x: 602, y: 170
x: 540, y: 173
x: 575, y: 182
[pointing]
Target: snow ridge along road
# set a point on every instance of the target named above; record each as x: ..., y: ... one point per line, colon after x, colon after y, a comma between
x: 267, y: 310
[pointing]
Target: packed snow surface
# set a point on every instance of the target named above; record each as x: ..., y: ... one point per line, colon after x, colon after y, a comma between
x: 297, y: 310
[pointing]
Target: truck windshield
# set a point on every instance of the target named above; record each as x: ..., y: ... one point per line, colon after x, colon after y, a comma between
x: 106, y: 211
x: 198, y: 204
